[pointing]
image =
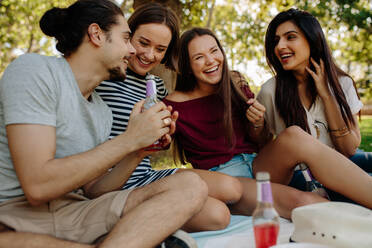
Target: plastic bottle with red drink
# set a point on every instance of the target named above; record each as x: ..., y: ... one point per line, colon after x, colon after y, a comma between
x: 265, y: 218
x: 150, y: 100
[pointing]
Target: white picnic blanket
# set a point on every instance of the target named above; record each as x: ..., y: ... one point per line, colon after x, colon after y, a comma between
x: 239, y: 234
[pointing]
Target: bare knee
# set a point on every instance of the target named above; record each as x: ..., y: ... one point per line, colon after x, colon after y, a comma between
x: 219, y: 216
x: 292, y: 134
x: 291, y: 137
x: 187, y: 187
x: 234, y: 189
x: 193, y: 188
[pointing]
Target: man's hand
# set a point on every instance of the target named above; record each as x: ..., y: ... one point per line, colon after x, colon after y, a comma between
x: 166, y: 139
x: 149, y: 126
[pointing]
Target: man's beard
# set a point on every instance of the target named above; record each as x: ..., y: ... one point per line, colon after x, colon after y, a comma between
x: 115, y: 74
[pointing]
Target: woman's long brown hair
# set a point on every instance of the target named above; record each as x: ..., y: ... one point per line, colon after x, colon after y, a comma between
x: 186, y: 82
x: 287, y: 99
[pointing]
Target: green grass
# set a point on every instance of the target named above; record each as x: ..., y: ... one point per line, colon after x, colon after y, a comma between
x: 164, y: 159
x: 365, y: 126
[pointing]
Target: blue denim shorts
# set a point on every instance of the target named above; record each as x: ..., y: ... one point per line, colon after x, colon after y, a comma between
x: 239, y: 166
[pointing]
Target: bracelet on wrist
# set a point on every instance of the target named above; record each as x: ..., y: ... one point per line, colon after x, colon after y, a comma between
x: 339, y: 129
x: 341, y: 132
x: 258, y: 126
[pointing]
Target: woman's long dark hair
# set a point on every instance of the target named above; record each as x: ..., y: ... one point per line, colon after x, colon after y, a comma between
x: 291, y: 108
x: 186, y: 82
x: 157, y: 13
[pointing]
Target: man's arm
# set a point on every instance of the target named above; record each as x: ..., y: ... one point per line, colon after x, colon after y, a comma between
x: 43, y: 177
x: 119, y: 175
x: 115, y: 178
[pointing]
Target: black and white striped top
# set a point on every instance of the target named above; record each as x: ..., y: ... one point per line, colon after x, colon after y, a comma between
x: 120, y: 97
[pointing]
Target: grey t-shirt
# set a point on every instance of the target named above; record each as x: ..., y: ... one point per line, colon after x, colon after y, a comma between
x: 42, y: 90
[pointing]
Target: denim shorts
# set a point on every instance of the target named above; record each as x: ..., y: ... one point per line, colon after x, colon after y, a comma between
x: 239, y: 166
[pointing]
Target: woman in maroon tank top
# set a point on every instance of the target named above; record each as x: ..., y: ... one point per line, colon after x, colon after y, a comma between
x: 216, y: 126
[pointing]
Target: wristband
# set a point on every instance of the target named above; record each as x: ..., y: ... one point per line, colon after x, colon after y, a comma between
x: 341, y: 132
x: 258, y: 126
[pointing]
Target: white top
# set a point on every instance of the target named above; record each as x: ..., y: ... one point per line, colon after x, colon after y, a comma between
x: 42, y: 90
x: 316, y: 117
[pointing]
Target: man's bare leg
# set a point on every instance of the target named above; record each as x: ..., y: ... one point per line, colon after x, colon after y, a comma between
x: 155, y: 211
x: 151, y: 214
x: 11, y: 239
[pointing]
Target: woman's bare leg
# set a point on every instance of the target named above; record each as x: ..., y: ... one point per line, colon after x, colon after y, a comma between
x: 230, y: 190
x: 329, y: 167
x: 223, y: 187
x: 285, y: 198
x: 215, y: 214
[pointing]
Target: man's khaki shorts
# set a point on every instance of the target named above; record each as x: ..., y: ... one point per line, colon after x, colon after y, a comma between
x: 72, y: 217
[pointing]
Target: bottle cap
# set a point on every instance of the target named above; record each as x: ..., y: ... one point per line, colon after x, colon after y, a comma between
x: 149, y: 77
x: 262, y: 176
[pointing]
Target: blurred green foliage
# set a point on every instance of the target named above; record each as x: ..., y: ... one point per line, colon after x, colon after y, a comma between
x: 19, y: 28
x: 240, y: 25
x: 366, y: 130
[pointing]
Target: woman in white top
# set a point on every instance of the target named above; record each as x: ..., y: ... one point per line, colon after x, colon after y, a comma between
x: 309, y: 90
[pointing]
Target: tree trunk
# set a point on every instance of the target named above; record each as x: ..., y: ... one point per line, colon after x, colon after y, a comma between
x: 348, y: 67
x: 210, y: 15
x: 30, y: 43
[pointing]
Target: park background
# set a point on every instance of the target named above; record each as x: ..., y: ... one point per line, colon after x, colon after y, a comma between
x: 239, y: 24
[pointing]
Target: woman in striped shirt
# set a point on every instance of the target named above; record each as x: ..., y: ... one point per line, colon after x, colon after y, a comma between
x: 155, y: 36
